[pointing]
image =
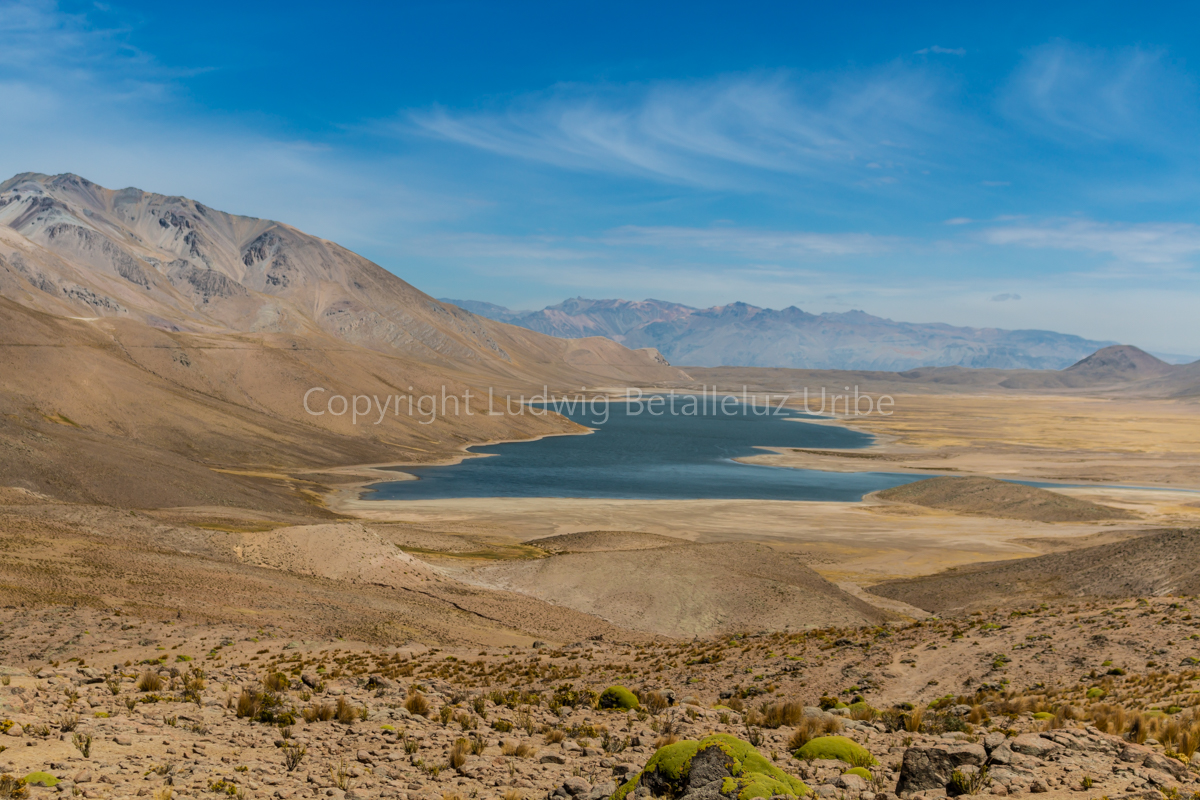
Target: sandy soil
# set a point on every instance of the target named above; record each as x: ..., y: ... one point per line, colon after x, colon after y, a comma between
x: 1068, y: 439
x: 861, y: 542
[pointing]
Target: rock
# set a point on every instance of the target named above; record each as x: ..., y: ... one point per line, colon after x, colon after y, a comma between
x: 1031, y: 744
x: 1003, y: 753
x: 310, y: 680
x: 91, y: 675
x: 124, y: 740
x: 994, y: 740
x: 83, y: 776
x: 15, y: 730
x: 576, y: 786
x: 1038, y: 786
x: 363, y: 757
x: 851, y: 783
x: 931, y: 767
x: 602, y: 790
x: 1173, y: 766
x: 550, y: 757
x: 827, y: 790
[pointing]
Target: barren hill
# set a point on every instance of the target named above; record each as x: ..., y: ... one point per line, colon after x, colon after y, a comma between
x: 686, y: 589
x: 988, y: 497
x: 602, y: 541
x: 1151, y: 565
x: 154, y: 351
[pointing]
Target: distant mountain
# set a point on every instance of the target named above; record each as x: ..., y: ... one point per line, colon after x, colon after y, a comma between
x: 739, y: 334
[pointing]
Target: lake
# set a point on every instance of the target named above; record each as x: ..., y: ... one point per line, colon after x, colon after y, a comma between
x: 645, y: 457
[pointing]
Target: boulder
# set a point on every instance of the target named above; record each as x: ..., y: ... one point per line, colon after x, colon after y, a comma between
x: 1031, y: 744
x: 851, y: 783
x: 577, y: 787
x: 926, y: 768
x: 1172, y: 766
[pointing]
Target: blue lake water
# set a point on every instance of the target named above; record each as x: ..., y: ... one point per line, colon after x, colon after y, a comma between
x: 651, y: 458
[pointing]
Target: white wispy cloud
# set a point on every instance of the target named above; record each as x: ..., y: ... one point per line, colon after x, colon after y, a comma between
x: 754, y: 243
x: 711, y: 132
x: 1078, y: 94
x: 1147, y: 244
x: 943, y: 51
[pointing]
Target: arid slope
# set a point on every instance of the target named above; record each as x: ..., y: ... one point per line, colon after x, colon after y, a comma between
x: 686, y: 590
x: 1151, y: 565
x: 988, y: 497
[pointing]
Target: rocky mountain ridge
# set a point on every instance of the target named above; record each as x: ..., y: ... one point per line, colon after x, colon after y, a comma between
x: 739, y: 334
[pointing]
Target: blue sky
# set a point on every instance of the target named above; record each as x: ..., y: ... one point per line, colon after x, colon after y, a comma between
x: 1027, y: 165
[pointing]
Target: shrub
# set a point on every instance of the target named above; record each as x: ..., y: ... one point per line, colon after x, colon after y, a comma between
x: 459, y: 753
x: 863, y: 711
x: 193, y: 686
x: 654, y: 702
x: 11, y: 787
x: 418, y: 705
x: 345, y: 712
x: 555, y: 736
x: 837, y: 747
x: 810, y: 728
x: 150, y: 682
x: 776, y: 715
x: 968, y: 783
x: 276, y: 682
x: 293, y: 754
x: 319, y: 712
x: 249, y: 704
x: 618, y: 697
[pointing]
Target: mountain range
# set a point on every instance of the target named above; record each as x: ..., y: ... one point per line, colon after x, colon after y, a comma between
x: 739, y: 334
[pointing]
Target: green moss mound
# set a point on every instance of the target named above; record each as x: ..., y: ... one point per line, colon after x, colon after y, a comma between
x: 40, y: 778
x: 861, y: 772
x: 753, y: 775
x: 839, y: 748
x: 1095, y: 693
x: 618, y: 697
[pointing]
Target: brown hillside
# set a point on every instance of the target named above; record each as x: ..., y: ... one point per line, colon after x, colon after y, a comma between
x: 602, y: 541
x: 1150, y: 565
x: 687, y: 590
x: 156, y: 352
x: 988, y: 497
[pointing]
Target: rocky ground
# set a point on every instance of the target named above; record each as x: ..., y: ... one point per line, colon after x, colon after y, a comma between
x: 1091, y: 700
